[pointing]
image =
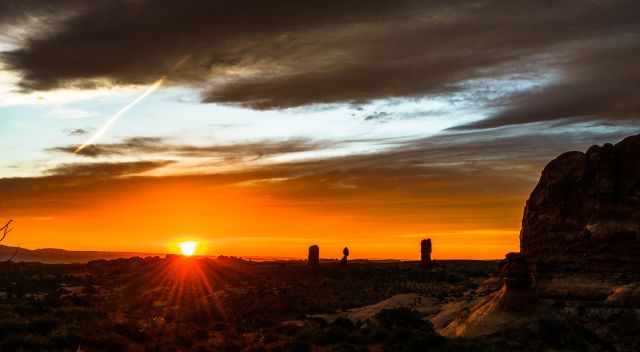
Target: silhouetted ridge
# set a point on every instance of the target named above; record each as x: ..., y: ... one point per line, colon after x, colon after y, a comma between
x: 584, y: 214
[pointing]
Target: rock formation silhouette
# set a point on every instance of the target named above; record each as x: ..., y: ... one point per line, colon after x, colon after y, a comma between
x: 584, y: 214
x: 514, y: 271
x: 579, y: 247
x: 314, y: 256
x: 518, y: 291
x: 345, y: 255
x: 425, y: 253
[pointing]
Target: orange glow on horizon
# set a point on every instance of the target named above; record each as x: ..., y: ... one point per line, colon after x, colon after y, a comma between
x: 188, y: 248
x: 255, y: 223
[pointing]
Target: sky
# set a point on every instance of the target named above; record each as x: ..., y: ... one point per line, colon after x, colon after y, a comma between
x: 277, y: 125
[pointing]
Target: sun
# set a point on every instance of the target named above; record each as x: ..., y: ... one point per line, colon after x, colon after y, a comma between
x: 188, y: 248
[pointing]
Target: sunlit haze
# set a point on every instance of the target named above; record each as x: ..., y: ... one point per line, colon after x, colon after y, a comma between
x: 188, y: 248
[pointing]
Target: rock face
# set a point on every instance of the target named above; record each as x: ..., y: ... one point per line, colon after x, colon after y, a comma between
x: 584, y: 214
x: 513, y: 305
x: 425, y: 253
x: 314, y: 255
x: 514, y: 271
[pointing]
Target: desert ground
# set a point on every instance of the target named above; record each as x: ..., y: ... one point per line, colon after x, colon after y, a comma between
x: 228, y: 304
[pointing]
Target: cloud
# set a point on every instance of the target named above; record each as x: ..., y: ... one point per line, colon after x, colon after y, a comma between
x: 378, y: 115
x: 137, y: 146
x: 77, y: 132
x: 598, y: 84
x: 69, y: 186
x: 106, y: 170
x: 481, y: 175
x: 269, y: 56
x: 472, y: 183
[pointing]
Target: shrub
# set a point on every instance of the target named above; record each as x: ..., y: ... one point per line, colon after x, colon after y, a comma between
x: 131, y: 331
x: 43, y: 325
x: 298, y: 347
x: 9, y: 327
x: 30, y: 308
x: 24, y: 343
x: 66, y: 338
x: 79, y: 314
x: 402, y: 317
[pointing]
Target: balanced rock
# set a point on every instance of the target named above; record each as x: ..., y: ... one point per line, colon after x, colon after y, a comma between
x: 345, y: 256
x: 584, y: 214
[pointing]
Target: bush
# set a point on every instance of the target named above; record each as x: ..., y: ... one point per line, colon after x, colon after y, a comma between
x: 560, y: 334
x: 130, y: 331
x: 66, y: 338
x: 24, y: 343
x: 298, y: 347
x: 10, y: 327
x: 30, y: 309
x: 106, y: 342
x: 79, y: 314
x: 44, y: 325
x: 402, y: 317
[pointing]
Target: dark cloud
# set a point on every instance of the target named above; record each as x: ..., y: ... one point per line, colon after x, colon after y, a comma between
x: 14, y: 12
x: 77, y: 132
x: 137, y: 146
x: 69, y: 186
x: 378, y: 115
x: 596, y: 85
x: 98, y: 41
x: 283, y: 54
x: 106, y: 170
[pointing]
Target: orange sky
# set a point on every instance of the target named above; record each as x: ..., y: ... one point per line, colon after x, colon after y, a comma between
x: 154, y: 214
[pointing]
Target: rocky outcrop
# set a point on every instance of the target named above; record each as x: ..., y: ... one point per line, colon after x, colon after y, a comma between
x: 345, y: 256
x: 314, y: 256
x: 626, y: 295
x: 579, y: 251
x: 514, y: 271
x: 423, y: 304
x: 584, y: 214
x: 515, y: 303
x: 425, y: 253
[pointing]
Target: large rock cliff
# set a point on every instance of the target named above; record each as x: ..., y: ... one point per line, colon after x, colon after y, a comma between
x: 584, y: 214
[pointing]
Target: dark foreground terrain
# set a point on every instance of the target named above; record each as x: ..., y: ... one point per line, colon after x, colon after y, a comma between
x: 227, y: 304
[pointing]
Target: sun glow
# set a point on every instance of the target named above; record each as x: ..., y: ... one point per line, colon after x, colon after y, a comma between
x: 188, y: 248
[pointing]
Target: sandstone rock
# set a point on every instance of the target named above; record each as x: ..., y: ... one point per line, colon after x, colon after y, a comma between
x: 423, y: 304
x: 578, y: 287
x: 314, y: 255
x: 515, y: 272
x: 495, y: 312
x: 425, y: 253
x: 584, y: 214
x: 448, y: 313
x: 626, y: 296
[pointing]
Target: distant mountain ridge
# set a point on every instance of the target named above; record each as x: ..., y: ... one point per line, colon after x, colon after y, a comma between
x: 63, y: 256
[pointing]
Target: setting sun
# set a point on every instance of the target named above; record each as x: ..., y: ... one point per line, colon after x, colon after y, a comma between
x: 188, y: 248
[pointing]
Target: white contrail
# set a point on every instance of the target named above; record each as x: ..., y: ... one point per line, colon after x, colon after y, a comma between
x: 117, y: 115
